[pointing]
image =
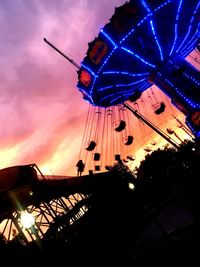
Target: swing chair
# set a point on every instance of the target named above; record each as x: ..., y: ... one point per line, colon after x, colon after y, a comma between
x: 121, y: 126
x: 97, y: 156
x: 129, y: 140
x: 91, y: 146
x: 130, y: 157
x: 157, y: 106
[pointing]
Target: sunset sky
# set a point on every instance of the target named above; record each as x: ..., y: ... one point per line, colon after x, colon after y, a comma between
x: 42, y: 112
x: 41, y: 109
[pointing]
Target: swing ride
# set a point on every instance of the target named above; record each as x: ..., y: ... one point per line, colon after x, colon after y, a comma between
x: 140, y: 51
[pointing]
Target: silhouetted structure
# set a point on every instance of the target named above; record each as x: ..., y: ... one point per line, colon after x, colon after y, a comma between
x: 153, y: 223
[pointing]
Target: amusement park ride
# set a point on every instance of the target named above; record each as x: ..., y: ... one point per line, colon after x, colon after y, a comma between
x: 141, y: 48
x: 145, y: 44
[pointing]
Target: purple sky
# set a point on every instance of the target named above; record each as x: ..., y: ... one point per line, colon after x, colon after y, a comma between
x: 41, y: 109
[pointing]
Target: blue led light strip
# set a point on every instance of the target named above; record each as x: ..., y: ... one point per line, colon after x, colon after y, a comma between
x: 87, y: 68
x: 153, y: 28
x: 191, y: 78
x: 146, y: 7
x: 164, y: 4
x: 89, y: 100
x: 142, y: 87
x: 138, y: 87
x: 92, y: 87
x: 123, y: 96
x: 137, y: 56
x: 176, y: 26
x: 187, y: 52
x: 114, y: 48
x: 185, y: 74
x: 122, y: 85
x: 90, y: 71
x: 105, y: 62
x: 108, y: 37
x: 111, y: 95
x: 125, y: 73
x: 189, y: 28
x: 93, y: 74
x: 189, y: 102
x: 190, y: 45
x: 129, y: 33
x: 143, y: 20
x: 121, y: 93
x: 189, y: 49
x: 156, y: 39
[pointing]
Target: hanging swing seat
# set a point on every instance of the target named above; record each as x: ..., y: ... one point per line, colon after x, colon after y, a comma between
x: 147, y: 149
x: 121, y: 126
x: 159, y: 108
x: 170, y: 131
x: 109, y: 111
x: 97, y: 168
x: 91, y: 146
x: 97, y: 156
x: 130, y: 157
x: 153, y: 143
x: 129, y: 140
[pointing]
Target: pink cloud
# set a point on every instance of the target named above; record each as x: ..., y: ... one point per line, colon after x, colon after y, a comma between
x: 41, y: 110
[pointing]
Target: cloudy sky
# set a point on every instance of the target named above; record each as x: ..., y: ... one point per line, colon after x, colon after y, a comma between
x: 42, y: 113
x: 41, y: 109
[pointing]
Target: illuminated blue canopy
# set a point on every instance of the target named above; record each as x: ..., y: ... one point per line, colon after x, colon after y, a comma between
x: 145, y: 43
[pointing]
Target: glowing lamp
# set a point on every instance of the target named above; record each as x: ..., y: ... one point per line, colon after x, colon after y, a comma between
x: 27, y: 219
x: 131, y: 186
